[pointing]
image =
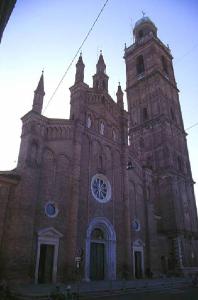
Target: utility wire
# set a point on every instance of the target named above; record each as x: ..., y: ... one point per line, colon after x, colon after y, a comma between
x: 192, y: 126
x: 186, y: 54
x: 86, y: 37
x: 178, y: 60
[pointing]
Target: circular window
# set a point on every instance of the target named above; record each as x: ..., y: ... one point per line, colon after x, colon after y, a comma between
x: 101, y: 188
x: 136, y: 225
x: 51, y: 210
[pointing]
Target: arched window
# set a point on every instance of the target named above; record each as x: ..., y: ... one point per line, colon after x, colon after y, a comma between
x: 114, y: 134
x: 148, y: 192
x: 172, y: 114
x: 180, y: 163
x: 102, y: 127
x: 97, y: 84
x: 140, y: 65
x: 104, y: 85
x: 140, y: 34
x: 100, y: 162
x: 164, y: 65
x: 97, y: 234
x: 89, y: 122
x: 145, y: 114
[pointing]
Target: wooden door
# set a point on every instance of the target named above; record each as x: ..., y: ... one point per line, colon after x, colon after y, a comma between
x: 46, y: 263
x: 138, y: 264
x: 97, y: 261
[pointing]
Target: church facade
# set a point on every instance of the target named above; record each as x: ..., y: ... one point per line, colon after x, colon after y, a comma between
x: 107, y: 193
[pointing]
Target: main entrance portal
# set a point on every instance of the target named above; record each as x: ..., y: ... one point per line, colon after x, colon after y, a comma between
x: 100, y: 259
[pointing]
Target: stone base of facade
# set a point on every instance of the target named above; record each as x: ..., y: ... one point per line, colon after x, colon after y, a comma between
x: 188, y: 271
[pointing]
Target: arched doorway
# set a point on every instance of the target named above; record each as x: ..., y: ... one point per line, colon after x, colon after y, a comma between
x: 100, y: 259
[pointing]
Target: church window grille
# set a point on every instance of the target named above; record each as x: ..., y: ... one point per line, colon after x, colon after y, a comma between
x: 101, y: 188
x: 140, y: 65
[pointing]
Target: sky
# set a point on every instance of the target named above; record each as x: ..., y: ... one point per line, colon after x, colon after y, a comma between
x: 46, y: 34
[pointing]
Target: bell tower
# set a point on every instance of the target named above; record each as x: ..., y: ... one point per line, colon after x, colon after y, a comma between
x: 158, y: 139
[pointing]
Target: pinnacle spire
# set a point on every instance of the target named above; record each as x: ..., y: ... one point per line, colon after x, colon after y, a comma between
x: 119, y: 95
x: 101, y: 67
x: 100, y: 79
x: 40, y: 87
x: 39, y: 94
x: 79, y: 70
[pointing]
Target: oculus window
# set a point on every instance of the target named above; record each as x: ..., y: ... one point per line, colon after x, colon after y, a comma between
x: 136, y: 225
x: 51, y: 209
x: 101, y: 188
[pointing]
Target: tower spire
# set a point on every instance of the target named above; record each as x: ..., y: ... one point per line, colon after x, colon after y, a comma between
x: 39, y: 94
x: 79, y: 70
x: 101, y: 67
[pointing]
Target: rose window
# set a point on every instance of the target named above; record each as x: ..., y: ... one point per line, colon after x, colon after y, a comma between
x: 101, y: 188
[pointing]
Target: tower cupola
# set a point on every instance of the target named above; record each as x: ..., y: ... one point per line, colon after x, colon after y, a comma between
x: 79, y: 70
x: 144, y: 27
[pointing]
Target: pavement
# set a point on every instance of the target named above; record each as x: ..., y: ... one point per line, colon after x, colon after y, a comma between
x: 179, y: 294
x: 112, y: 289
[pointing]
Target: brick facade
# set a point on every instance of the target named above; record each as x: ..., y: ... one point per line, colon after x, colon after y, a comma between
x: 79, y: 189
